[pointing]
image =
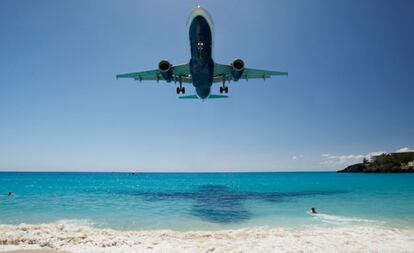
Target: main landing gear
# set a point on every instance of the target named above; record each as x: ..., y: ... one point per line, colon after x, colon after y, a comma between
x: 180, y: 89
x: 224, y: 89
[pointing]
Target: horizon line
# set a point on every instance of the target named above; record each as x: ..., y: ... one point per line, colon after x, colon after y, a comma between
x: 162, y: 172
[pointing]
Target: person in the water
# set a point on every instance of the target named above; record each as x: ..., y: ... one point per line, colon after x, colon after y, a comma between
x: 10, y: 194
x: 313, y: 210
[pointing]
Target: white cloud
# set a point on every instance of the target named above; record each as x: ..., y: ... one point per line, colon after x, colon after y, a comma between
x: 335, y: 161
x: 330, y: 160
x: 371, y: 154
x: 297, y: 157
x: 406, y: 149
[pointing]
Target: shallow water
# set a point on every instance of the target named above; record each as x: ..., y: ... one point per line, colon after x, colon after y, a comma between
x: 212, y: 201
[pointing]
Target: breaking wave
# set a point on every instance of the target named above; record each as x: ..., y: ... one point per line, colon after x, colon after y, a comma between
x: 79, y: 236
x: 343, y: 220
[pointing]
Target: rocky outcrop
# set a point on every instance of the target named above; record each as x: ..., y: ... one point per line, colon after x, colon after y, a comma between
x: 359, y: 167
x: 374, y: 168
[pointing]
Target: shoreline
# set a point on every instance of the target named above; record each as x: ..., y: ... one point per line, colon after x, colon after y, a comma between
x: 71, y: 238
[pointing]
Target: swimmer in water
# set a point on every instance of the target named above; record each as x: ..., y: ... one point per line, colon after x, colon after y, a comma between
x: 10, y: 194
x: 313, y: 210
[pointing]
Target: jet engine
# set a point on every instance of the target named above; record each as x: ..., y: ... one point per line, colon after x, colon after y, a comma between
x: 165, y: 68
x: 237, y: 69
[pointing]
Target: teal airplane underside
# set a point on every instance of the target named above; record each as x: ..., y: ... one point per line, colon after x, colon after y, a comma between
x: 202, y: 72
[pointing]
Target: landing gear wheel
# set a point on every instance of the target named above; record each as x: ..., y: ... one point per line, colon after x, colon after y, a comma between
x: 183, y: 90
x: 221, y: 89
x: 178, y: 90
x: 226, y: 89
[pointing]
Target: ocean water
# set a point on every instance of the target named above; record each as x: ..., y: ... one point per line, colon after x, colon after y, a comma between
x: 208, y: 201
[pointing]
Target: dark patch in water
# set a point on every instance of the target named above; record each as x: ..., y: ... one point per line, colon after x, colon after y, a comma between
x: 217, y: 203
x: 220, y: 204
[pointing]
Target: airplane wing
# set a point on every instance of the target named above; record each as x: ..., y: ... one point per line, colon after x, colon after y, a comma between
x: 222, y: 72
x: 179, y: 72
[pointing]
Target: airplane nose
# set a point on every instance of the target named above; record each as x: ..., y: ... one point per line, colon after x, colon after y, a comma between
x: 200, y: 11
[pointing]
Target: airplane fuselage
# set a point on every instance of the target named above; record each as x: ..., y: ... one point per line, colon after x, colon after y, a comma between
x: 200, y: 31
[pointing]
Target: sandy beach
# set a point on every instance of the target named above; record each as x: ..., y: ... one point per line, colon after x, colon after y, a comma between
x: 51, y: 238
x: 35, y: 251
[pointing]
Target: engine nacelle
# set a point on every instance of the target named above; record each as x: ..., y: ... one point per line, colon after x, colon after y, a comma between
x: 237, y: 69
x: 165, y: 68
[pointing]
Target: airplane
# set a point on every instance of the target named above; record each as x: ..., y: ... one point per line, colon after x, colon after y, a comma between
x: 201, y: 71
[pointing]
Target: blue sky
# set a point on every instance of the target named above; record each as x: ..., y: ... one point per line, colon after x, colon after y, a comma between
x: 350, y: 88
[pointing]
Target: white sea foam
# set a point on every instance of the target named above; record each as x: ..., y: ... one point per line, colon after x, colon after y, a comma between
x: 81, y: 237
x: 343, y: 220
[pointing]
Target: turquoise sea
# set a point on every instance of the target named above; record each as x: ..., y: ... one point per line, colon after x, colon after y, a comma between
x: 208, y: 201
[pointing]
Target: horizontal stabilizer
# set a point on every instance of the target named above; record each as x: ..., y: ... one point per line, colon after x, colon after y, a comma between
x: 189, y: 97
x: 196, y: 97
x: 218, y: 96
